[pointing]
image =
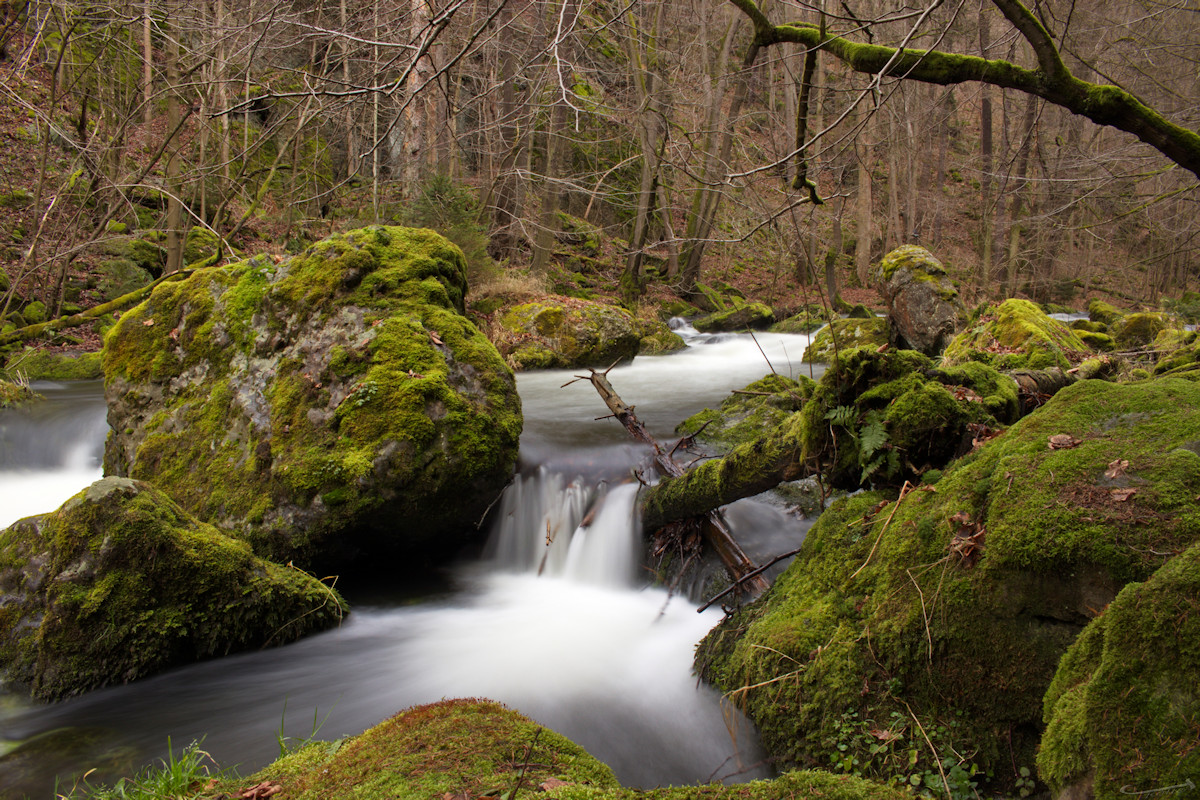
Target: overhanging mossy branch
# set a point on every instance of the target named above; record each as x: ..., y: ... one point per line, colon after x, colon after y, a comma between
x: 1051, y: 81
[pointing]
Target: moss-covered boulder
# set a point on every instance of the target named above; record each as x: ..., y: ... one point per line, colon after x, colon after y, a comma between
x: 454, y: 748
x: 199, y: 244
x: 332, y: 406
x: 750, y: 412
x: 658, y: 339
x: 740, y: 316
x: 807, y: 320
x: 136, y: 251
x: 1100, y: 311
x: 120, y: 276
x: 1178, y: 352
x: 1099, y: 342
x: 845, y: 334
x: 946, y: 612
x: 924, y: 309
x: 476, y: 748
x: 47, y: 365
x: 121, y: 583
x: 1123, y: 711
x: 562, y: 332
x: 1138, y: 330
x: 1016, y: 335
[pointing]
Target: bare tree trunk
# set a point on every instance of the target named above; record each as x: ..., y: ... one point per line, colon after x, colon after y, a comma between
x: 174, y: 187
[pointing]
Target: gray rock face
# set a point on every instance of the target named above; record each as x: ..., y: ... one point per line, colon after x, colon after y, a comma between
x: 121, y: 583
x: 924, y: 309
x: 329, y: 408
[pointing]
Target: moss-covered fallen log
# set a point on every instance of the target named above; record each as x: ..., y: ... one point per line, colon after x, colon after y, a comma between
x: 93, y: 313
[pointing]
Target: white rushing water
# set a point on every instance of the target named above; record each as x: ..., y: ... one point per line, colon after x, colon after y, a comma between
x: 555, y: 619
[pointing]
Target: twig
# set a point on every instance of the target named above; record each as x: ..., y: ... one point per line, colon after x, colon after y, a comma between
x: 932, y: 749
x: 749, y: 575
x: 528, y: 752
x: 764, y: 354
x: 903, y: 491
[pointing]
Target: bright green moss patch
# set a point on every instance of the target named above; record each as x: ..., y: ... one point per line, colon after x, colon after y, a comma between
x: 749, y: 413
x: 1138, y: 330
x: 738, y: 317
x: 14, y: 394
x: 1123, y: 712
x: 657, y: 339
x: 309, y: 405
x: 460, y: 748
x: 121, y: 583
x: 844, y: 334
x: 1016, y: 335
x: 955, y: 604
x: 44, y: 365
x: 478, y: 748
x: 1100, y: 311
x: 563, y: 332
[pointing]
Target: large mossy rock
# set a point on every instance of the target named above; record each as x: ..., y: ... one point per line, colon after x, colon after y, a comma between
x: 1123, y: 710
x: 1100, y: 311
x: 954, y: 605
x: 924, y: 309
x: 558, y: 332
x: 658, y: 339
x: 847, y: 333
x: 121, y: 583
x: 809, y: 319
x: 333, y: 406
x: 1016, y: 335
x: 1178, y: 353
x: 477, y: 748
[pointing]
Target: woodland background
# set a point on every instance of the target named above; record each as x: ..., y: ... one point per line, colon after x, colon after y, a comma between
x: 514, y: 126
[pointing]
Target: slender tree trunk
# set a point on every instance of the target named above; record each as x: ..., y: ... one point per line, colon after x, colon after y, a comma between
x: 174, y: 186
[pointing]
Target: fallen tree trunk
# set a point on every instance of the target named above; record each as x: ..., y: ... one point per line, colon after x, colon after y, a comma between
x: 74, y: 320
x: 714, y: 528
x: 778, y: 456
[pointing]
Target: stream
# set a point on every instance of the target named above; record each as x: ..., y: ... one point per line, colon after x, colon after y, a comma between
x: 569, y: 633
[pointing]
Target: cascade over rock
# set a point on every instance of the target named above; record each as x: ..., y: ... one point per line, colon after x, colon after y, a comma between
x: 924, y: 309
x: 334, y: 405
x: 121, y: 583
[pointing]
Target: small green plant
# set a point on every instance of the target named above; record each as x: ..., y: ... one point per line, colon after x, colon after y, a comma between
x: 452, y: 209
x: 178, y: 778
x: 900, y: 751
x: 1025, y: 784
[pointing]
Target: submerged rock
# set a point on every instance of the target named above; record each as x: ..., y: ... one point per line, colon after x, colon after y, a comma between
x: 924, y: 309
x: 121, y: 583
x: 562, y: 332
x: 1016, y: 335
x: 1130, y: 685
x: 333, y: 405
x: 947, y: 612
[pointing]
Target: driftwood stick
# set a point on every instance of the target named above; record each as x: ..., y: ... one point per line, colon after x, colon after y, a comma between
x: 715, y: 529
x: 756, y: 572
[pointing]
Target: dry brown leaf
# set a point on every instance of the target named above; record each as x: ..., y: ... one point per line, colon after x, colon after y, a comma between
x: 412, y: 374
x: 148, y: 322
x: 1063, y: 441
x: 1117, y: 468
x: 552, y: 783
x: 1121, y: 495
x: 261, y: 791
x: 433, y: 335
x: 883, y: 734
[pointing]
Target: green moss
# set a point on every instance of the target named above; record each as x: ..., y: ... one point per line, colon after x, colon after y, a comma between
x: 42, y: 365
x: 1123, y: 711
x: 918, y: 260
x: 955, y: 604
x: 741, y: 316
x: 456, y: 747
x: 812, y: 318
x: 845, y: 334
x: 346, y: 373
x: 568, y: 332
x: 121, y: 583
x: 200, y: 243
x: 1138, y: 330
x: 1016, y: 335
x: 1100, y: 311
x: 658, y: 339
x: 1099, y: 342
x: 15, y: 394
x: 34, y: 312
x: 750, y: 413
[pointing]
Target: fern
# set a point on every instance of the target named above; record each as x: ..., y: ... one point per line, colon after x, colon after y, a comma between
x: 842, y: 415
x: 871, y: 437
